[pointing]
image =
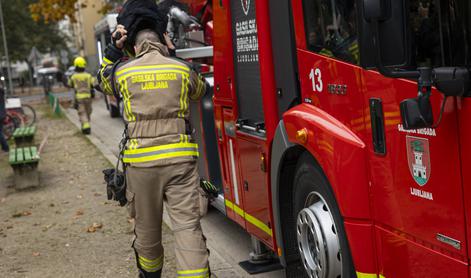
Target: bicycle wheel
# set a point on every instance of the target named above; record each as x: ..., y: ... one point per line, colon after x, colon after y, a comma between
x: 10, y: 123
x: 29, y: 115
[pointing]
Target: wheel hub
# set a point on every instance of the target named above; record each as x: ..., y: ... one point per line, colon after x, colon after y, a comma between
x: 318, y: 242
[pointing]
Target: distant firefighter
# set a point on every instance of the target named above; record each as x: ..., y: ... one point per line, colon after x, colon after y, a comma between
x: 83, y: 83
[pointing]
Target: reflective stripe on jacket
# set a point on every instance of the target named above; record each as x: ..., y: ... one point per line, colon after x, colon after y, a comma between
x: 82, y: 82
x: 156, y: 92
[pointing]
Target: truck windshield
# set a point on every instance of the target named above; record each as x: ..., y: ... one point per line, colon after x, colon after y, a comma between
x: 441, y: 32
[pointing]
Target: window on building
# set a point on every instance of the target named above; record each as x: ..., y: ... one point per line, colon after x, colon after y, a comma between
x: 331, y: 29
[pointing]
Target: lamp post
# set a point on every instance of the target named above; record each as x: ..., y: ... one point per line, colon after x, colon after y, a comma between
x: 5, y: 46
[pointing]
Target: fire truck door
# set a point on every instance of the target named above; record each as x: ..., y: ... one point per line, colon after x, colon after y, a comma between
x: 416, y: 183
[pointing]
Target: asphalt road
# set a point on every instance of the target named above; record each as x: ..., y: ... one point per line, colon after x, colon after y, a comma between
x: 229, y: 244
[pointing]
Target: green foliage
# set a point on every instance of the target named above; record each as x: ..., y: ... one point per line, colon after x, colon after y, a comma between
x: 23, y: 32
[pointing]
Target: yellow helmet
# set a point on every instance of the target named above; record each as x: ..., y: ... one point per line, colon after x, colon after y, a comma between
x: 80, y: 62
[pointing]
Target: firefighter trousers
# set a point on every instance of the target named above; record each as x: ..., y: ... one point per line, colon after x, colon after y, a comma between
x: 84, y: 111
x: 178, y: 186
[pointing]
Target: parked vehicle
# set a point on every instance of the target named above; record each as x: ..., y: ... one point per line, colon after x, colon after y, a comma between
x: 342, y: 132
x: 103, y: 31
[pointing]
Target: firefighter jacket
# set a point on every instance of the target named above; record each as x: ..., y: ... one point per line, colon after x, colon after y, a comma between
x: 82, y: 82
x: 156, y: 91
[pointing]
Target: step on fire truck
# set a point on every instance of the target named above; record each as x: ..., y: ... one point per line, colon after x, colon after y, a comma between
x: 337, y: 131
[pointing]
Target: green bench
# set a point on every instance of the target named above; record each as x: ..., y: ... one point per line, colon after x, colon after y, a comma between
x: 24, y: 162
x: 24, y: 136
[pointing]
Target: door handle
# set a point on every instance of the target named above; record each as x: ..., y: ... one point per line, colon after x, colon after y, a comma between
x: 377, y: 126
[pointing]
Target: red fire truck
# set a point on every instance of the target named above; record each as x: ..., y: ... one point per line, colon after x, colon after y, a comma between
x: 340, y: 133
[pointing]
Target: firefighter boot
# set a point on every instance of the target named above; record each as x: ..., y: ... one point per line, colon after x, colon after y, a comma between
x: 86, y: 128
x: 145, y: 274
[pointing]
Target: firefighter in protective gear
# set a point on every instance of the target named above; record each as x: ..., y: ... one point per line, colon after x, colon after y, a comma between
x: 160, y: 153
x: 82, y: 82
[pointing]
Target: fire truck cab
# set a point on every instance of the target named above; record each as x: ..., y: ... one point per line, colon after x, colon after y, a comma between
x: 342, y: 130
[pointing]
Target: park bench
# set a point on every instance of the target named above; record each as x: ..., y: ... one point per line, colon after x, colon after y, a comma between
x: 24, y: 161
x: 24, y: 136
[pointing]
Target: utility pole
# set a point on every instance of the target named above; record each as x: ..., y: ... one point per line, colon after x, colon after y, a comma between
x: 5, y: 46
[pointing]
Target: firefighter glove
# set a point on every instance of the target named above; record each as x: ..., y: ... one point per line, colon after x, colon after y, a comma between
x: 209, y: 188
x: 115, y: 185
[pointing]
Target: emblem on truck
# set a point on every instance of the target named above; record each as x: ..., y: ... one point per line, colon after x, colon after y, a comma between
x: 245, y: 6
x: 418, y: 157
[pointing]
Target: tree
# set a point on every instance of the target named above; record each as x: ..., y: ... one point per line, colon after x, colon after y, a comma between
x: 22, y: 33
x: 56, y: 10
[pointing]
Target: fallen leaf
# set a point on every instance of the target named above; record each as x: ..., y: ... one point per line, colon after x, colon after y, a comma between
x: 36, y: 254
x: 131, y: 220
x: 20, y: 214
x: 9, y: 227
x: 79, y: 212
x: 79, y: 196
x: 94, y: 227
x: 51, y: 205
x: 97, y: 194
x: 47, y: 227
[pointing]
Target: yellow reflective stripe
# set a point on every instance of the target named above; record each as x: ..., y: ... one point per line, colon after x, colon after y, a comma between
x: 106, y: 62
x: 127, y: 101
x: 195, y: 273
x: 199, y: 90
x: 133, y: 144
x: 184, y: 68
x: 249, y: 218
x: 83, y: 95
x: 105, y: 84
x: 368, y: 275
x: 159, y: 156
x: 162, y: 147
x: 151, y: 265
x: 185, y: 94
x: 180, y: 113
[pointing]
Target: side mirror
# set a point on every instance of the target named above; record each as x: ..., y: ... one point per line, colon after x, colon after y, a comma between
x: 452, y: 81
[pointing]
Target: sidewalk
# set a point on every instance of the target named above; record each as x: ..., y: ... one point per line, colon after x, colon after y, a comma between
x: 226, y: 240
x: 66, y: 227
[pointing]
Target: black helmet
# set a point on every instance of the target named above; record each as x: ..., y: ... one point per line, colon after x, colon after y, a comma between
x: 137, y: 15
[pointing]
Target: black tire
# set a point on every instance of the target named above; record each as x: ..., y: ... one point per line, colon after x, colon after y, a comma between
x: 29, y: 115
x: 114, y: 111
x: 310, y: 178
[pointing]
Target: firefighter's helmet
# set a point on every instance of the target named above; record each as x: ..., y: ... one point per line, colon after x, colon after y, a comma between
x: 80, y: 62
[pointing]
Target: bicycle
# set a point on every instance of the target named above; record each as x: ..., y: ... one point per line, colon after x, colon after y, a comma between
x: 26, y: 114
x: 10, y: 123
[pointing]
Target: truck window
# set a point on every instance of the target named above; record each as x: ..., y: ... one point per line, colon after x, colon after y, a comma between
x: 331, y: 29
x: 440, y: 32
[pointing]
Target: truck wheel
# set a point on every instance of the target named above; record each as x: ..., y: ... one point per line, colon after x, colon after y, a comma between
x: 114, y: 111
x: 321, y: 239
